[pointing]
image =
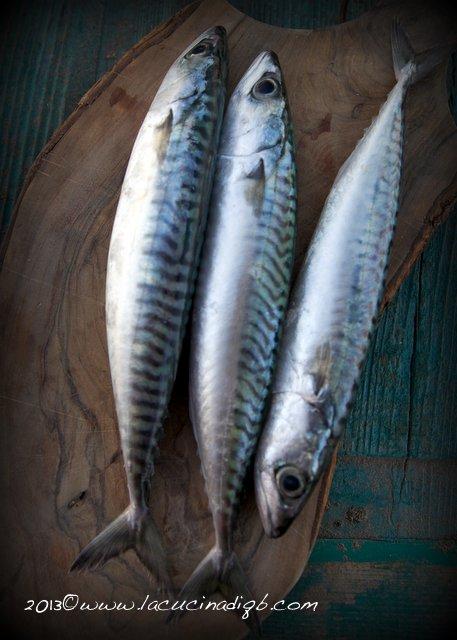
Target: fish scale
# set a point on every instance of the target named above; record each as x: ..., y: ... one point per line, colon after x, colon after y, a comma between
x: 152, y: 264
x: 268, y: 297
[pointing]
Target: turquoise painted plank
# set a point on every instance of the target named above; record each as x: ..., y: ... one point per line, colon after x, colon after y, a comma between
x: 52, y: 53
x: 406, y: 404
x: 47, y: 63
x: 434, y: 380
x: 307, y: 14
x: 388, y: 499
x: 420, y: 552
x: 366, y: 601
x: 125, y: 23
x: 370, y: 589
x: 379, y: 421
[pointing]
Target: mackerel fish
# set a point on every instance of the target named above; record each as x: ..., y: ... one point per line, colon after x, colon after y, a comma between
x: 152, y: 264
x: 333, y: 308
x: 240, y: 303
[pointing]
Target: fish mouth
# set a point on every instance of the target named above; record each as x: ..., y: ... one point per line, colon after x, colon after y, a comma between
x: 213, y: 33
x: 217, y: 35
x: 265, y: 62
x: 217, y: 31
x: 270, y: 57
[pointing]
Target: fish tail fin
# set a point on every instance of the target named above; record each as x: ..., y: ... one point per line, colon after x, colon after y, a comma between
x: 112, y: 541
x: 131, y: 530
x: 222, y: 572
x: 149, y: 549
x: 406, y: 62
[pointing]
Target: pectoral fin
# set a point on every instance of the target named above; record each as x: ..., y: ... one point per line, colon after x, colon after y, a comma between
x: 255, y: 186
x: 320, y: 394
x: 163, y: 133
x: 256, y: 171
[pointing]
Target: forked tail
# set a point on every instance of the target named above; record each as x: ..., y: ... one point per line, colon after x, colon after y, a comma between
x: 131, y: 530
x: 219, y: 572
x: 408, y: 64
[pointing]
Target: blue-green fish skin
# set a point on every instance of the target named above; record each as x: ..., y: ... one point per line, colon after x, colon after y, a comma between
x: 333, y: 307
x: 240, y: 302
x: 153, y: 258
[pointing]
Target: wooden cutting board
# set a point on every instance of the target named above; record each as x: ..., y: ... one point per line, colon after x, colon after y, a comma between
x: 62, y: 473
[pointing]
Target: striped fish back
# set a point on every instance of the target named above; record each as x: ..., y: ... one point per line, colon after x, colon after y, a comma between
x: 267, y: 300
x: 171, y: 248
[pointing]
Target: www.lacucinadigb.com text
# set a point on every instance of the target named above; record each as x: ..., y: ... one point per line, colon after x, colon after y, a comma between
x: 74, y: 602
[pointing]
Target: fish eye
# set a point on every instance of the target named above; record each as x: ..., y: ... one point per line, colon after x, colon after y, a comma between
x: 199, y: 49
x: 290, y: 481
x: 265, y: 88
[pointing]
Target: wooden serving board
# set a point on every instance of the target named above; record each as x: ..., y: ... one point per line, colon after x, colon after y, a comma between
x: 62, y: 477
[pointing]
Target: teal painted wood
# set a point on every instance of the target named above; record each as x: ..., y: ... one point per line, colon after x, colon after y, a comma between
x: 384, y: 558
x: 407, y: 401
x: 51, y: 53
x: 371, y: 590
x: 421, y: 552
x: 374, y: 498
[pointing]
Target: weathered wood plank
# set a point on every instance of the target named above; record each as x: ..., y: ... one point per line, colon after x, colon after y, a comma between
x: 434, y: 391
x: 439, y: 553
x: 379, y: 421
x: 406, y: 404
x: 47, y: 63
x: 392, y: 499
x: 372, y: 590
x: 125, y: 23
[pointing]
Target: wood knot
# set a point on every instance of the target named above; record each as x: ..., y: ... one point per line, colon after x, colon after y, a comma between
x: 76, y: 500
x: 356, y: 111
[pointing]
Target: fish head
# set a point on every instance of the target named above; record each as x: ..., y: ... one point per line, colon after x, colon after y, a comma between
x: 204, y: 61
x: 257, y: 115
x: 201, y: 69
x: 294, y: 449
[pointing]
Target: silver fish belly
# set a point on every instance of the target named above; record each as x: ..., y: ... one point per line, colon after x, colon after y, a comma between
x: 152, y: 264
x: 333, y: 307
x: 241, y: 297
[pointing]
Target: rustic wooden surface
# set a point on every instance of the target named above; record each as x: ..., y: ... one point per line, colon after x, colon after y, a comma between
x: 55, y: 338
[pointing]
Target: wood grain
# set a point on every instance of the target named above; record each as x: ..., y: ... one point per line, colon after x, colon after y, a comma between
x: 56, y: 393
x: 393, y: 588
